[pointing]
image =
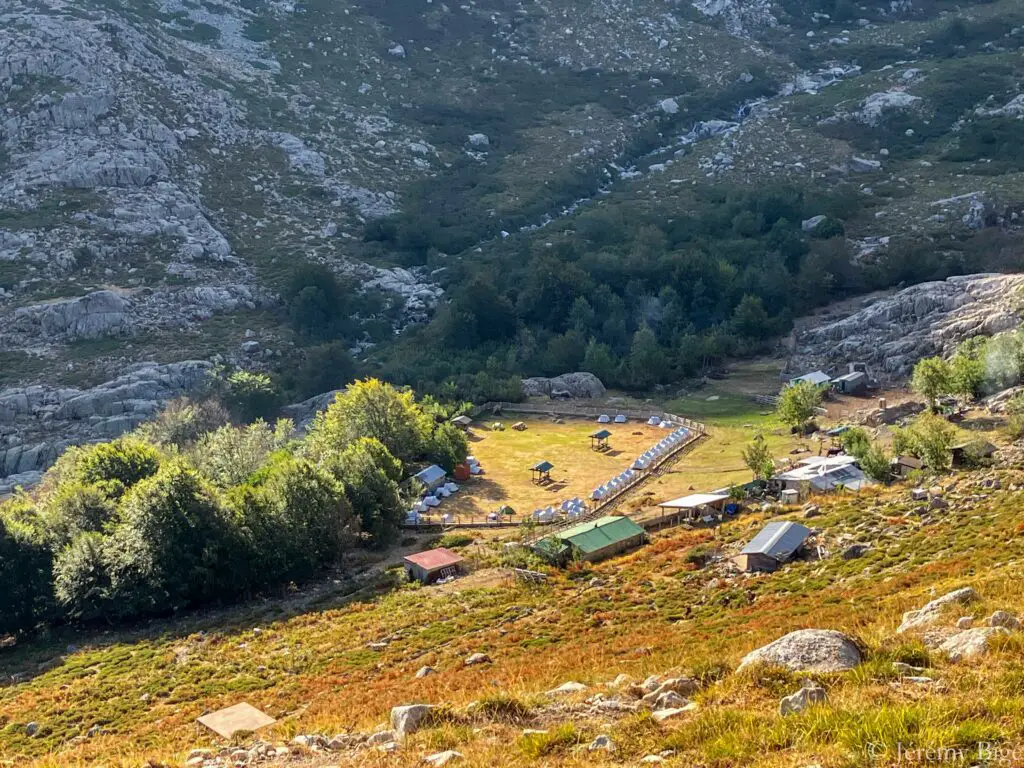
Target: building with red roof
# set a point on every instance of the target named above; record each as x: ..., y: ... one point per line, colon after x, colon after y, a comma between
x: 434, y: 564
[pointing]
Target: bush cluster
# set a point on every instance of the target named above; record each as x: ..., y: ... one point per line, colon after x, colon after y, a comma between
x: 173, y: 516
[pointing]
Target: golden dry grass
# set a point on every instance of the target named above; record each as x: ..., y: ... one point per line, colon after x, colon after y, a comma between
x: 507, y: 456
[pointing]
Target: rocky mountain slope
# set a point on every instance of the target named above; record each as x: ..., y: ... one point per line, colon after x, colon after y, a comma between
x: 164, y: 164
x: 892, y: 333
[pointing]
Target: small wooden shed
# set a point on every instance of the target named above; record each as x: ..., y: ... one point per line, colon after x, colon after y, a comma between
x: 427, y: 567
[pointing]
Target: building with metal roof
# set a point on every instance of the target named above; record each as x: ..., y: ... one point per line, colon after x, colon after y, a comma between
x: 598, y: 539
x: 818, y: 378
x: 431, y: 477
x: 821, y: 473
x: 853, y: 383
x: 774, y: 545
x: 434, y: 564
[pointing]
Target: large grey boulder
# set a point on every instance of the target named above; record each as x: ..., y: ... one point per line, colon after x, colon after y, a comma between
x: 576, y: 385
x: 409, y: 718
x: 97, y: 314
x: 932, y: 611
x: 875, y: 105
x: 971, y: 643
x: 808, y: 650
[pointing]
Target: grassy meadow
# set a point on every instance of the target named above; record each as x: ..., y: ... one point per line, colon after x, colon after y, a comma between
x: 335, y: 656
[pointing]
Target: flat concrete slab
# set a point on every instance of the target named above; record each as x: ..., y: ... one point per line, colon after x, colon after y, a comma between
x: 240, y: 717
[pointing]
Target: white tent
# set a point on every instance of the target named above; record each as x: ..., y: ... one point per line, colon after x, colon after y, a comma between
x: 654, y: 421
x: 620, y: 419
x: 604, y: 418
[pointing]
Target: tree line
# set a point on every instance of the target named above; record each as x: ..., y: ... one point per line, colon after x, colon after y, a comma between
x: 191, y: 508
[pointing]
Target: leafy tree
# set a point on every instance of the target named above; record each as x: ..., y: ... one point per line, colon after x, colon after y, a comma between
x: 930, y: 438
x: 855, y: 441
x: 758, y: 458
x: 323, y: 368
x: 750, y: 320
x: 447, y: 446
x: 876, y: 463
x: 251, y: 396
x: 74, y: 509
x: 115, y: 466
x: 26, y: 596
x: 797, y: 403
x: 967, y: 371
x: 371, y: 476
x: 182, y: 422
x: 371, y: 408
x: 82, y: 578
x: 318, y: 518
x: 229, y: 455
x: 601, y: 361
x: 647, y: 360
x: 319, y: 305
x: 172, y: 546
x: 1004, y: 359
x: 932, y: 379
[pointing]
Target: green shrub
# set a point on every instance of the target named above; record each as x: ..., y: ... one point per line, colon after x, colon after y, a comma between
x: 26, y: 597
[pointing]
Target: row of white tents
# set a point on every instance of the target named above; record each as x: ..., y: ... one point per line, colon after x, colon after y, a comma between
x: 571, y: 509
x: 646, y: 460
x: 662, y: 447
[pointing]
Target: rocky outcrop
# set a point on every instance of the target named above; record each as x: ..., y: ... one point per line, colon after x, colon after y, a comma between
x: 38, y: 422
x: 932, y: 611
x: 808, y: 650
x: 891, y: 334
x: 98, y: 314
x: 302, y: 414
x: 875, y: 105
x: 575, y: 385
x: 971, y: 643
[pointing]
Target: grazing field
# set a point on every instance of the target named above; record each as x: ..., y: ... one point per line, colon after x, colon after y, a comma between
x: 507, y: 456
x: 321, y: 661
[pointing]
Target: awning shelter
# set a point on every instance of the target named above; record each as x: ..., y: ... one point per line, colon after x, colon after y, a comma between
x: 541, y: 472
x: 462, y: 422
x: 599, y: 440
x: 695, y: 505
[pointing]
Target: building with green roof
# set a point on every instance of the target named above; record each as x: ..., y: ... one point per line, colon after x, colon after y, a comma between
x: 597, y: 539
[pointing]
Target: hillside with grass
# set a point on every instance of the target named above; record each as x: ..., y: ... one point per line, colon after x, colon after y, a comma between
x: 633, y: 659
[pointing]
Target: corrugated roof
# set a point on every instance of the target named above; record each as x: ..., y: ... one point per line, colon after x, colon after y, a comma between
x: 694, y: 500
x: 543, y: 466
x: 431, y: 474
x: 601, y: 434
x: 778, y: 539
x: 433, y: 559
x: 600, y: 533
x: 852, y: 376
x: 463, y: 420
x: 815, y: 377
